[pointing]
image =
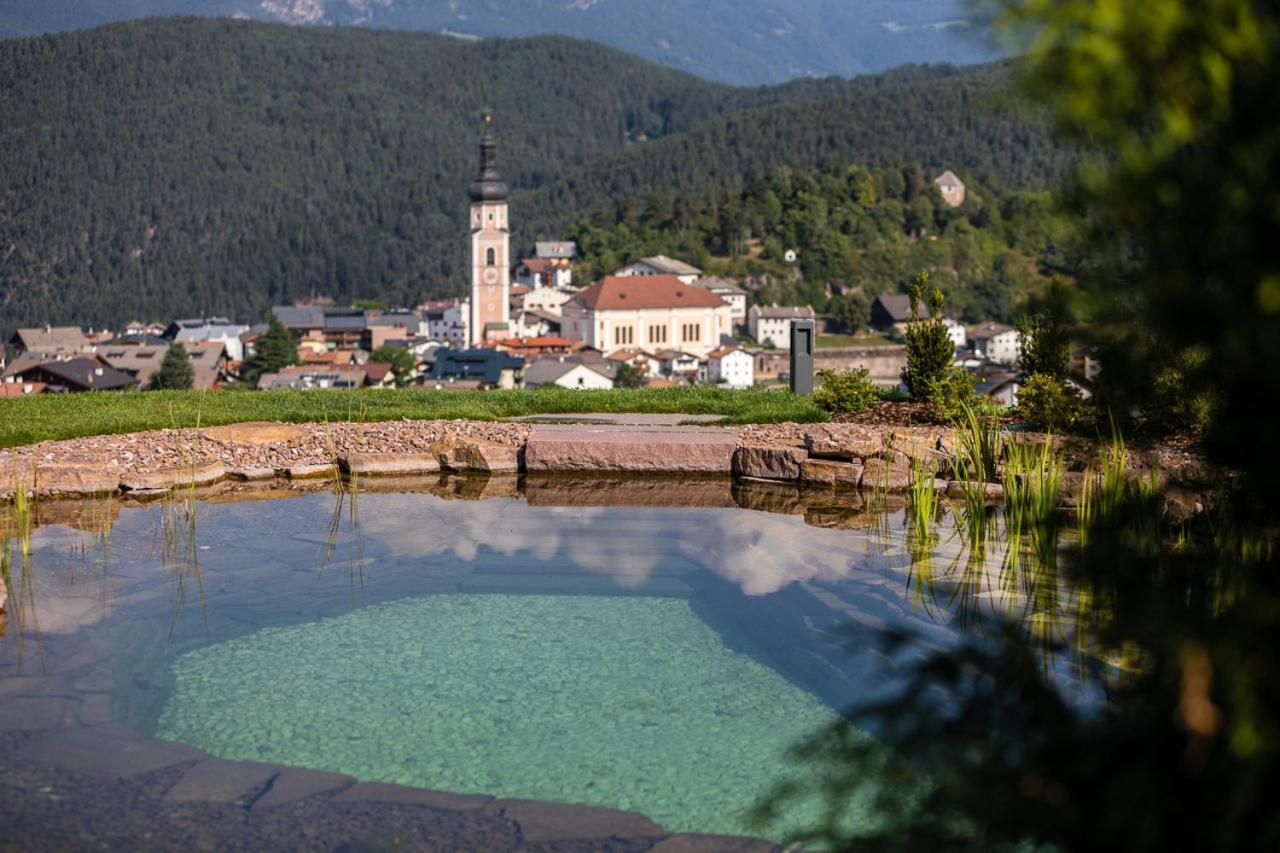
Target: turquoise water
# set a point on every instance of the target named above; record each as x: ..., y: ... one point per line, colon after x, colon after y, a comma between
x: 628, y: 702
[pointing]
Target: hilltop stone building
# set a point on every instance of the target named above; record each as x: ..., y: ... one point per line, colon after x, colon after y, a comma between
x: 951, y: 187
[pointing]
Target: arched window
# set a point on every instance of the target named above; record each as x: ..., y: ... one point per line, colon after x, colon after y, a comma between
x: 490, y: 257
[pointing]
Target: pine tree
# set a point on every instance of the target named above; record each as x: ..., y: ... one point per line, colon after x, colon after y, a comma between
x: 273, y: 350
x: 175, y: 373
x: 930, y: 350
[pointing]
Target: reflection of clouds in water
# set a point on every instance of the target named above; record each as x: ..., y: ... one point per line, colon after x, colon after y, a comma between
x: 763, y: 552
x: 759, y: 552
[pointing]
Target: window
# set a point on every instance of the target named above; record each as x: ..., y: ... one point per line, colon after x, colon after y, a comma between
x: 691, y: 332
x: 657, y: 334
x: 624, y: 335
x: 490, y: 257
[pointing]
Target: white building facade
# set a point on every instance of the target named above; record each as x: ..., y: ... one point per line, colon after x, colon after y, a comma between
x: 658, y: 313
x: 732, y: 367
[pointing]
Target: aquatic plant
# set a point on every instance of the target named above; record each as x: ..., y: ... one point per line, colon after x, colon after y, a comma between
x: 978, y: 446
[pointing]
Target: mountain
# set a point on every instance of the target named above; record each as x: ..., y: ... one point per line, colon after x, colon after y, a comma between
x: 196, y: 166
x: 736, y: 41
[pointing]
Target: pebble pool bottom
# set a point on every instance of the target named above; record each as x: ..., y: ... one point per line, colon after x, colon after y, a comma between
x: 627, y: 702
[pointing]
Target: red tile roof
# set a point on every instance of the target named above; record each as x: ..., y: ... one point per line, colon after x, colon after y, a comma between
x: 614, y: 293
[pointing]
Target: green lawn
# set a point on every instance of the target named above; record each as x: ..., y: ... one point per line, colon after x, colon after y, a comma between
x: 55, y: 416
x: 833, y: 341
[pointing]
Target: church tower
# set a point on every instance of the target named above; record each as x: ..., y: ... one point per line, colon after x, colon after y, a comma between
x: 490, y: 250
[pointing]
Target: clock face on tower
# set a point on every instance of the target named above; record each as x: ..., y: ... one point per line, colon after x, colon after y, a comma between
x: 490, y: 276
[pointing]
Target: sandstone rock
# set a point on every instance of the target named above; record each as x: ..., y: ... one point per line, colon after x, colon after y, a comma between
x: 620, y: 490
x: 842, y: 518
x: 831, y: 472
x: 484, y: 456
x: 391, y: 464
x: 883, y: 475
x: 691, y: 451
x: 249, y: 475
x: 768, y: 496
x: 769, y: 463
x: 15, y: 472
x: 990, y: 491
x: 296, y: 783
x: 920, y: 448
x: 483, y: 487
x: 70, y: 479
x: 169, y: 478
x: 385, y: 792
x: 256, y: 432
x: 842, y: 441
x: 311, y: 471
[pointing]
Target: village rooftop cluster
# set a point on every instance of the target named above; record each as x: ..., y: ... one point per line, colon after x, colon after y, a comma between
x: 656, y: 322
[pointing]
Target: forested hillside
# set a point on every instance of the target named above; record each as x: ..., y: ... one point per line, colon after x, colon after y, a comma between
x: 738, y: 41
x: 858, y: 232
x: 201, y: 166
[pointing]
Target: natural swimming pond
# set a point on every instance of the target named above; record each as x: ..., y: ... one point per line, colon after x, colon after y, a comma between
x: 648, y: 646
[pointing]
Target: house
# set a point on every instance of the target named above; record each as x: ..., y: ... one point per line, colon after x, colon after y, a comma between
x: 535, y: 347
x: 307, y: 377
x: 447, y: 320
x: 379, y: 375
x: 50, y: 341
x: 732, y: 367
x: 730, y: 292
x: 540, y: 273
x: 534, y: 324
x: 957, y: 332
x: 556, y: 250
x: 995, y: 342
x: 21, y: 389
x: 891, y: 311
x: 384, y: 326
x: 208, y: 361
x: 547, y: 300
x: 339, y: 328
x: 76, y: 374
x: 659, y: 311
x: 951, y: 187
x: 566, y: 372
x: 216, y: 329
x: 661, y: 265
x: 491, y: 367
x: 773, y: 323
x: 1001, y: 389
x: 642, y: 361
x: 675, y: 364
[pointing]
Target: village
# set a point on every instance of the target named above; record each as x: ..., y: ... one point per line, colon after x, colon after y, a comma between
x: 655, y: 322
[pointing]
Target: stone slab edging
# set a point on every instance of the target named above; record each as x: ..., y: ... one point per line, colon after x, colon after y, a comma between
x: 833, y: 456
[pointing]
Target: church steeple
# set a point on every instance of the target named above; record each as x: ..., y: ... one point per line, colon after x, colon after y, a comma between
x: 488, y: 186
x: 490, y: 313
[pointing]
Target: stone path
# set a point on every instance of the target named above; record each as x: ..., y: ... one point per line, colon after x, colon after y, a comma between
x: 620, y: 419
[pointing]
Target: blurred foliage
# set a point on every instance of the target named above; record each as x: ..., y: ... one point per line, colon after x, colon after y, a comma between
x: 1052, y: 405
x: 1178, y: 621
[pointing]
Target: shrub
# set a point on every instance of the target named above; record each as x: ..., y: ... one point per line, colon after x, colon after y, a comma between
x: 1173, y: 402
x: 1048, y: 403
x: 930, y: 351
x: 952, y: 392
x: 845, y: 390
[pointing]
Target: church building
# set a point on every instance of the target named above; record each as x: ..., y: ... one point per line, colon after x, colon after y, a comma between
x: 490, y: 304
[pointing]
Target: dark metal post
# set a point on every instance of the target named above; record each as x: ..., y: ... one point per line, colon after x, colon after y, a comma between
x: 802, y: 335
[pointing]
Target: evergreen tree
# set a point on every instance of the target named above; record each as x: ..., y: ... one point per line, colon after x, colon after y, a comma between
x: 175, y: 373
x: 273, y: 350
x: 930, y: 350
